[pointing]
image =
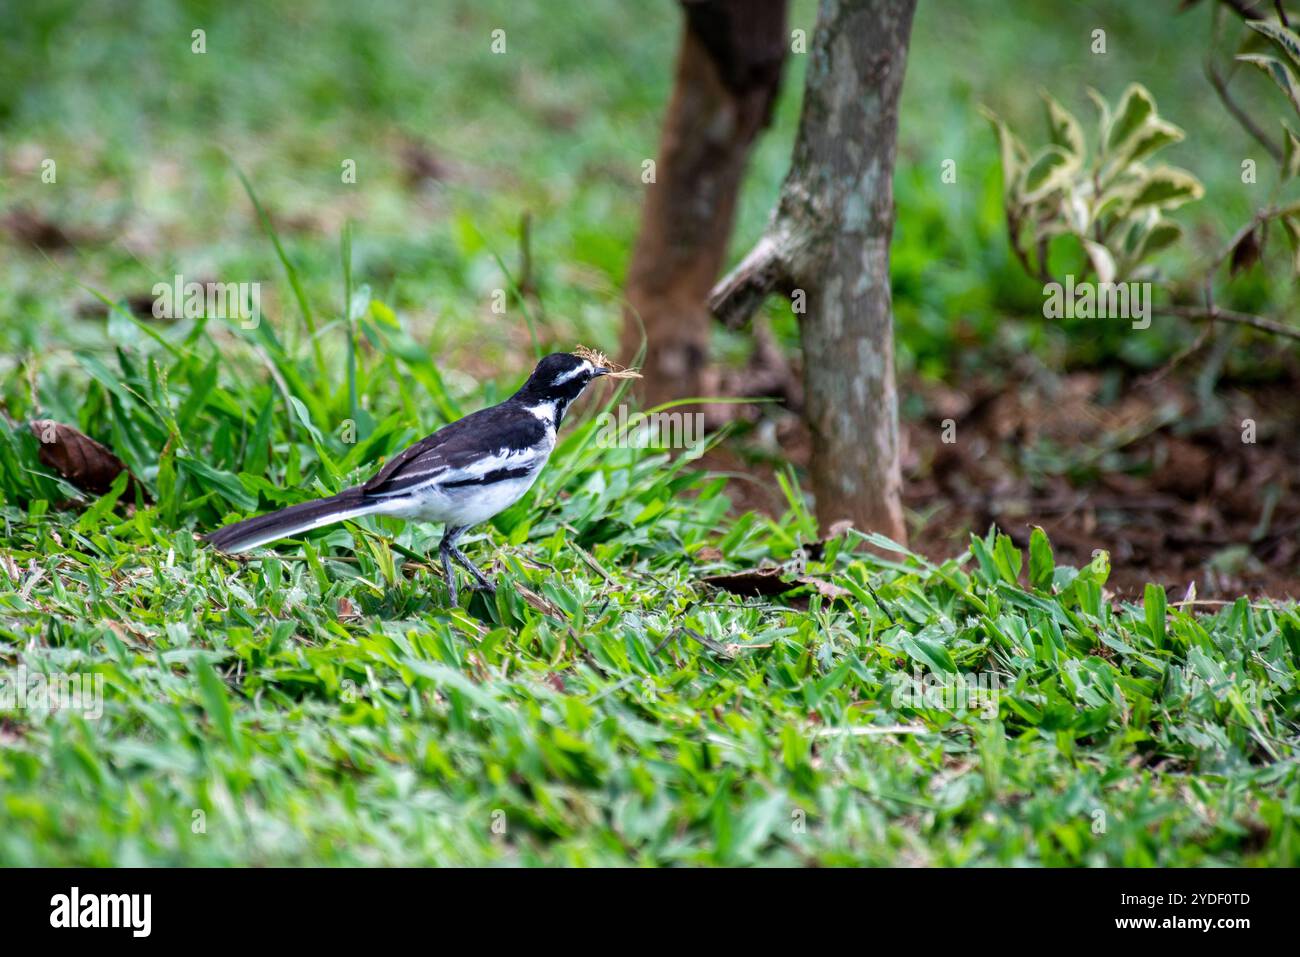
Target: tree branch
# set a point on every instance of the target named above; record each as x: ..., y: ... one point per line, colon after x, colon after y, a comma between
x: 1246, y: 9
x: 740, y: 293
x: 1246, y: 121
x: 1220, y: 83
x: 1215, y: 314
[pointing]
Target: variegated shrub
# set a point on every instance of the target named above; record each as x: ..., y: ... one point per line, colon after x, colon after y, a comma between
x: 1112, y: 200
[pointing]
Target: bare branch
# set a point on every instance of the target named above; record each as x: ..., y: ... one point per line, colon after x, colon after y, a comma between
x: 1246, y: 9
x: 1215, y: 314
x: 738, y: 295
x: 1246, y: 121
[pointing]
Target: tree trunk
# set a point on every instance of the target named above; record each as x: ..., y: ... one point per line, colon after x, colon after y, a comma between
x: 728, y: 73
x: 828, y: 245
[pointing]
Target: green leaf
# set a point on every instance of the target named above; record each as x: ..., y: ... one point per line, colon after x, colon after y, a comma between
x: 1042, y: 563
x: 1154, y: 603
x: 1152, y: 136
x: 1163, y: 234
x: 1279, y: 73
x: 1063, y: 129
x: 1012, y: 152
x: 1102, y: 260
x: 104, y: 504
x: 1008, y: 559
x: 757, y: 823
x: 1291, y: 226
x: 257, y: 453
x: 216, y: 702
x: 1134, y: 107
x: 1291, y: 157
x: 1286, y: 41
x: 223, y: 483
x: 1050, y: 170
x: 981, y: 549
x: 1103, y: 118
x: 929, y: 652
x: 1167, y: 187
x: 1098, y: 569
x: 1075, y: 209
x: 304, y: 417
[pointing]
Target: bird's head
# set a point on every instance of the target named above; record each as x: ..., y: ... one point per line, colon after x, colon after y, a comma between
x: 559, y: 378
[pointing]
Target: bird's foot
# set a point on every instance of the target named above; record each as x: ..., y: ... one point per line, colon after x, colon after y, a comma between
x: 481, y: 582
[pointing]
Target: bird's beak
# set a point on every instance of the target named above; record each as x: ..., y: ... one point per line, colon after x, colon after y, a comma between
x: 599, y: 371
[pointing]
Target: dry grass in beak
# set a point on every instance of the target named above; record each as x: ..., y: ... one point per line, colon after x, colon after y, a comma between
x: 599, y: 360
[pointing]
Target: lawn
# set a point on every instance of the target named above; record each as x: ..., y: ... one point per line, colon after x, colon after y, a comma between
x: 321, y: 704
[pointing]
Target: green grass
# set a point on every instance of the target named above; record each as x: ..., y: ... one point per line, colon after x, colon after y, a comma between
x: 324, y: 706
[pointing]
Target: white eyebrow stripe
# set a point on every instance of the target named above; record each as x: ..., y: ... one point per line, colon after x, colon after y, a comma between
x: 574, y: 373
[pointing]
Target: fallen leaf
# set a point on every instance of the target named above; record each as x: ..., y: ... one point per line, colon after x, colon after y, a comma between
x: 772, y: 581
x: 80, y: 459
x: 753, y: 581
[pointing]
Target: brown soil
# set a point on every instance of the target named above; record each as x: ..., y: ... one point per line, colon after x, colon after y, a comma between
x: 1171, y: 485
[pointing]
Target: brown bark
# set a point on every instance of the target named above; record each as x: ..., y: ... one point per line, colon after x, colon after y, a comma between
x: 728, y: 73
x: 829, y: 240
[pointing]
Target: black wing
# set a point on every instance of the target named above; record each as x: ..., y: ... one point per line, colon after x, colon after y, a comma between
x: 503, y: 428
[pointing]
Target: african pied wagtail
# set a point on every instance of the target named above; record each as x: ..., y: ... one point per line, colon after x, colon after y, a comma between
x: 463, y: 474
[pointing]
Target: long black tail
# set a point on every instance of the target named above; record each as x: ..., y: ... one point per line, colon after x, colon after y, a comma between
x: 252, y: 532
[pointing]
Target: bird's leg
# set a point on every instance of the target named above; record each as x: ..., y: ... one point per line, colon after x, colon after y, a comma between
x: 481, y: 581
x: 483, y: 584
x: 445, y: 549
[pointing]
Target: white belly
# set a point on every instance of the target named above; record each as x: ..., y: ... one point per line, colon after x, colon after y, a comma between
x: 467, y: 505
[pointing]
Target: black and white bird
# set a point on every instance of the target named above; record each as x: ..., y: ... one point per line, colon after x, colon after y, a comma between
x: 462, y: 475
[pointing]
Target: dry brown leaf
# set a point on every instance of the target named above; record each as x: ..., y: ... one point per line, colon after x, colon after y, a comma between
x: 772, y: 581
x: 77, y: 457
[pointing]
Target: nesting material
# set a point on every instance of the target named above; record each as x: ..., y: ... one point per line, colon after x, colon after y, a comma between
x: 616, y: 371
